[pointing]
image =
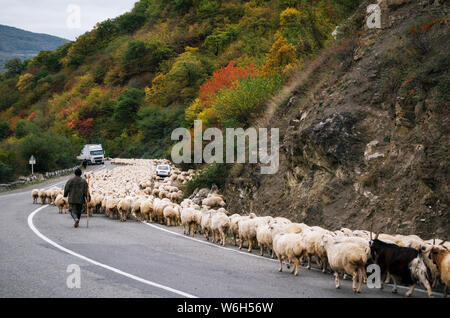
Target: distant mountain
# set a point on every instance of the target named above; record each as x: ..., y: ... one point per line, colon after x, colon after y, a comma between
x: 24, y: 44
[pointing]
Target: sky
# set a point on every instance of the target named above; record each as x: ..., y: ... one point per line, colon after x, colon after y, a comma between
x: 64, y: 18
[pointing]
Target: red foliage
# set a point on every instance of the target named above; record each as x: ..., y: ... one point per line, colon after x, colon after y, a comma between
x: 78, y: 105
x: 223, y: 78
x: 65, y: 111
x: 426, y: 26
x: 413, y: 30
x: 83, y: 127
x: 32, y: 115
x: 117, y: 92
x: 71, y: 124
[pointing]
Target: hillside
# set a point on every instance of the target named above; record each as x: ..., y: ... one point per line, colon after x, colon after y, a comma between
x: 17, y: 43
x: 363, y: 118
x: 365, y: 133
x: 133, y: 79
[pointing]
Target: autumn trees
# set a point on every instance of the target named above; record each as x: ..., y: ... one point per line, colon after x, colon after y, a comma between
x: 132, y: 79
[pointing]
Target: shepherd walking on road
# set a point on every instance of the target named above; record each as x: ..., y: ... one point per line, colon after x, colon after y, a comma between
x: 77, y: 191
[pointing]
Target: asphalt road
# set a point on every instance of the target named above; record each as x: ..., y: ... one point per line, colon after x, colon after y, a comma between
x: 133, y: 259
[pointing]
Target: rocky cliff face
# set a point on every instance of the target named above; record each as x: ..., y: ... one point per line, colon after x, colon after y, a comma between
x: 365, y: 138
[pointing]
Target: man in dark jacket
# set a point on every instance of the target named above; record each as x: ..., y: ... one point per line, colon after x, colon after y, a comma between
x: 77, y: 190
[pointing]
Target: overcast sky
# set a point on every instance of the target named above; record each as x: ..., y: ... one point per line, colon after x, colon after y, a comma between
x: 64, y: 18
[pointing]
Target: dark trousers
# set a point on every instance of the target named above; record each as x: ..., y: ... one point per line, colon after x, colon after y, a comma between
x: 75, y: 210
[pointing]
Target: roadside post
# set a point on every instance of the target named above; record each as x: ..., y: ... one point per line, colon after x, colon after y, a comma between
x: 32, y: 162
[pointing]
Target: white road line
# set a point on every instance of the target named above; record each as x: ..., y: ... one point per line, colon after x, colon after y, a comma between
x: 118, y: 271
x: 257, y: 256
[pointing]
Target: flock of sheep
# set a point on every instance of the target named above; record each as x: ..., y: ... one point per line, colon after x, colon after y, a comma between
x: 132, y: 190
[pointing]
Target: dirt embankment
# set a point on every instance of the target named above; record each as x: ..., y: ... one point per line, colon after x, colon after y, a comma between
x: 364, y: 135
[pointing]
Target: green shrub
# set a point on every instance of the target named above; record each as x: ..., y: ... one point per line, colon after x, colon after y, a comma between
x: 6, y: 172
x: 212, y: 174
x: 49, y: 59
x: 25, y: 127
x: 143, y: 57
x: 99, y: 73
x: 52, y: 151
x: 128, y: 105
x: 156, y: 125
x: 219, y: 39
x: 15, y: 67
x: 4, y: 130
x: 246, y: 99
x: 129, y: 22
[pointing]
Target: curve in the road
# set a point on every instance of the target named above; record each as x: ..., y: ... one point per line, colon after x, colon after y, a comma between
x: 309, y: 280
x: 113, y: 269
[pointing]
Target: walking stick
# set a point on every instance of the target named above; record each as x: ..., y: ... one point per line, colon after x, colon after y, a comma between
x: 87, y: 209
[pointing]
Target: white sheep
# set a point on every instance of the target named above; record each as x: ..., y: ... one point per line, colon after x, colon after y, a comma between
x: 346, y: 257
x: 264, y: 238
x: 61, y: 203
x: 176, y: 196
x: 247, y: 232
x: 281, y: 220
x: 206, y: 223
x: 288, y: 247
x: 171, y: 213
x: 111, y: 209
x: 42, y: 196
x: 48, y: 195
x: 220, y: 224
x: 136, y: 207
x: 313, y: 244
x: 159, y: 208
x: 35, y: 195
x: 146, y: 209
x: 188, y: 220
x: 234, y: 226
x: 295, y: 228
x: 213, y: 200
x: 124, y: 207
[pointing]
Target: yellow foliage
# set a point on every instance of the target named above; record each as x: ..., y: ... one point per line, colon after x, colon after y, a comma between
x: 148, y: 92
x: 84, y: 84
x: 191, y: 49
x: 24, y: 82
x: 208, y: 116
x: 289, y: 16
x: 289, y: 69
x: 154, y: 92
x: 193, y: 110
x: 281, y: 54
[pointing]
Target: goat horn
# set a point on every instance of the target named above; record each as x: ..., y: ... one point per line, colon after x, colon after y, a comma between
x: 434, y: 241
x: 378, y: 233
x: 442, y: 243
x: 371, y: 228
